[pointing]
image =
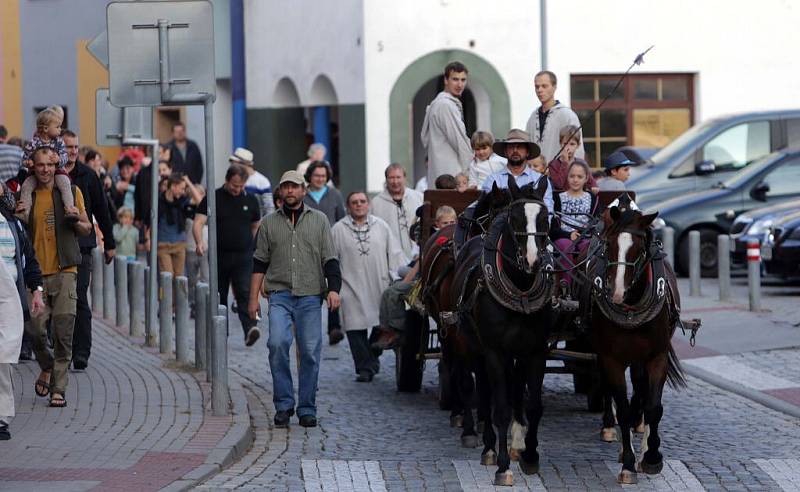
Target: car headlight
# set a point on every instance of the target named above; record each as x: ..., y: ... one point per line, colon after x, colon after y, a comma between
x: 659, y: 223
x: 759, y: 227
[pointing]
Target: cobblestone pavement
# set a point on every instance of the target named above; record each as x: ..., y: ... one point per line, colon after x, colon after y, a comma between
x: 712, y: 439
x: 132, y: 423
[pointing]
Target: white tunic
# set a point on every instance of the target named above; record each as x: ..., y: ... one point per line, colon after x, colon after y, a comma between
x: 369, y: 256
x: 399, y: 218
x: 11, y: 314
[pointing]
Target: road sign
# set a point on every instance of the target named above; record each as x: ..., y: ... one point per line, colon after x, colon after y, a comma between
x: 98, y: 48
x: 160, y: 52
x: 115, y: 124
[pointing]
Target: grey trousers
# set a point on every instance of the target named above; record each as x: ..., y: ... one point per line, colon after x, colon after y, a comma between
x: 363, y: 356
x: 6, y: 393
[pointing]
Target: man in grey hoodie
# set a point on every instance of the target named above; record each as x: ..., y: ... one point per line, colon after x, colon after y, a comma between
x: 444, y: 134
x: 548, y: 119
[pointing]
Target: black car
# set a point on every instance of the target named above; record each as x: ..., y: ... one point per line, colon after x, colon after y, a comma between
x: 755, y: 226
x: 781, y: 249
x: 772, y: 179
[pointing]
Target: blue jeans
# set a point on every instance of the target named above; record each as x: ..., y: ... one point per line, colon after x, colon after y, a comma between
x: 304, y: 311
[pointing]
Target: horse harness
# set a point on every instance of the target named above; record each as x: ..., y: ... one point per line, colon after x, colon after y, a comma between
x: 657, y: 291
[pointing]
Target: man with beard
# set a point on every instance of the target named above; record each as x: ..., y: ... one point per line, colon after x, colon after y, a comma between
x: 517, y: 148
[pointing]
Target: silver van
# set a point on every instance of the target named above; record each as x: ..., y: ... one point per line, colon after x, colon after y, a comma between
x: 700, y: 157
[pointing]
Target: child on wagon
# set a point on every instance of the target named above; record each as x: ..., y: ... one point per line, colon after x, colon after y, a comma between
x: 575, y: 205
x: 558, y: 169
x: 48, y: 134
x: 485, y: 162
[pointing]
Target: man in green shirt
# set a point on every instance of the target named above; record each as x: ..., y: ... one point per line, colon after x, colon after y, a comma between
x: 294, y: 266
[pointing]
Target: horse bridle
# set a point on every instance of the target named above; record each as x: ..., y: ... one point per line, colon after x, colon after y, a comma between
x: 520, y: 260
x: 640, y: 264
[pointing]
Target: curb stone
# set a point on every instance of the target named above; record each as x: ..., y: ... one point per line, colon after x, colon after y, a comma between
x: 755, y: 395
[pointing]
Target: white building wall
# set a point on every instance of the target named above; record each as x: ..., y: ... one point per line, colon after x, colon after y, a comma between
x: 742, y: 52
x: 505, y: 32
x: 302, y: 39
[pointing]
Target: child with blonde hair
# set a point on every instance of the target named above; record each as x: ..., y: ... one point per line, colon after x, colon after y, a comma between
x: 125, y: 234
x: 485, y: 162
x: 48, y: 134
x: 445, y: 216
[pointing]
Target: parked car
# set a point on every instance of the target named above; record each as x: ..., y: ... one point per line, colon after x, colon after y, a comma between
x: 781, y: 249
x: 755, y: 226
x: 770, y: 180
x: 706, y: 153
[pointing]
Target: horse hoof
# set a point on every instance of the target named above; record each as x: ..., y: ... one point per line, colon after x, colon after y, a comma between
x: 514, y: 454
x: 651, y: 469
x: 528, y: 468
x: 457, y: 421
x: 627, y: 477
x: 504, y: 479
x: 489, y: 458
x: 469, y: 441
x: 608, y: 434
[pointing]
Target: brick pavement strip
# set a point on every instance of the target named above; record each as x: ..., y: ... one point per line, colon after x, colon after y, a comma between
x: 132, y: 423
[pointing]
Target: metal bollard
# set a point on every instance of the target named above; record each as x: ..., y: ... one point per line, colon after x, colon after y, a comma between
x: 200, y: 322
x: 149, y: 331
x: 211, y: 340
x: 219, y: 364
x: 166, y: 330
x: 138, y: 300
x: 97, y: 280
x: 754, y: 274
x: 668, y: 243
x: 182, y: 319
x: 694, y: 263
x: 724, y: 266
x: 121, y: 276
x: 109, y: 293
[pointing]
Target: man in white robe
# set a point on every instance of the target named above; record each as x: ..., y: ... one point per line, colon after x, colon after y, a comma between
x: 369, y: 256
x: 397, y: 205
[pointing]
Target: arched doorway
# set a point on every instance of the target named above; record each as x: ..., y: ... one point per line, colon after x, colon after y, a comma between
x: 486, y: 106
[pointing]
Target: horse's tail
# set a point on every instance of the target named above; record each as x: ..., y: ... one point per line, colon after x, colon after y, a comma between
x: 675, y: 376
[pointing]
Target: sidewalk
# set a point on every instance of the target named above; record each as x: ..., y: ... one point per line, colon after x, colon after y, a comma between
x: 754, y: 354
x: 134, y: 421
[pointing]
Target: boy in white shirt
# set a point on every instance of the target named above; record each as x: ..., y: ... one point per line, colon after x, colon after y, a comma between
x: 485, y: 162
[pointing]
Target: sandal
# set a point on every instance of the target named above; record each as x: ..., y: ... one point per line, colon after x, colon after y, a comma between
x: 42, y: 386
x: 57, y: 401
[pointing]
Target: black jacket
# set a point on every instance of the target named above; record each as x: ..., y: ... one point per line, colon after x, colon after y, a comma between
x: 141, y: 195
x: 31, y: 274
x: 94, y: 199
x: 556, y: 232
x: 192, y: 166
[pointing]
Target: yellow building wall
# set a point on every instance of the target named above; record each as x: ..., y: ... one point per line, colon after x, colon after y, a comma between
x: 11, y: 66
x: 91, y: 76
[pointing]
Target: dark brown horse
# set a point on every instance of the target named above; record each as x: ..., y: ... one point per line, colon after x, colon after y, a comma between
x: 635, y: 308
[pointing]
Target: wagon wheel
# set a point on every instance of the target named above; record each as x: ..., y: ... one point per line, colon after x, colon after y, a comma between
x: 408, y: 367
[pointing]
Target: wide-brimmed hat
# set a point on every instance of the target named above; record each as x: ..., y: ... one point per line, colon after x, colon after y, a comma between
x: 517, y: 136
x: 242, y: 156
x: 617, y: 159
x: 292, y: 177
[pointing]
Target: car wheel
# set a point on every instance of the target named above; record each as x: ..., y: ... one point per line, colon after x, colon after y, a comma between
x: 708, y: 253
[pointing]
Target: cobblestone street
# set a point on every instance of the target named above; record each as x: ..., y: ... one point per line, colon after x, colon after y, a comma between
x: 712, y: 439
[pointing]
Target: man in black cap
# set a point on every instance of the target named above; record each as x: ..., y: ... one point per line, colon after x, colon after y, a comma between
x: 618, y: 170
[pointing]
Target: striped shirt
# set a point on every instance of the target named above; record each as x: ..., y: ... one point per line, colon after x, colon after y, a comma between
x: 10, y: 161
x: 8, y: 247
x: 295, y: 254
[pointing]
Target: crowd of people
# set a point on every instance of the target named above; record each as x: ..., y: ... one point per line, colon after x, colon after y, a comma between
x: 299, y: 245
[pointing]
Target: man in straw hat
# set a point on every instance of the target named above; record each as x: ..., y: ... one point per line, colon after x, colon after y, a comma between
x: 257, y: 184
x: 517, y: 148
